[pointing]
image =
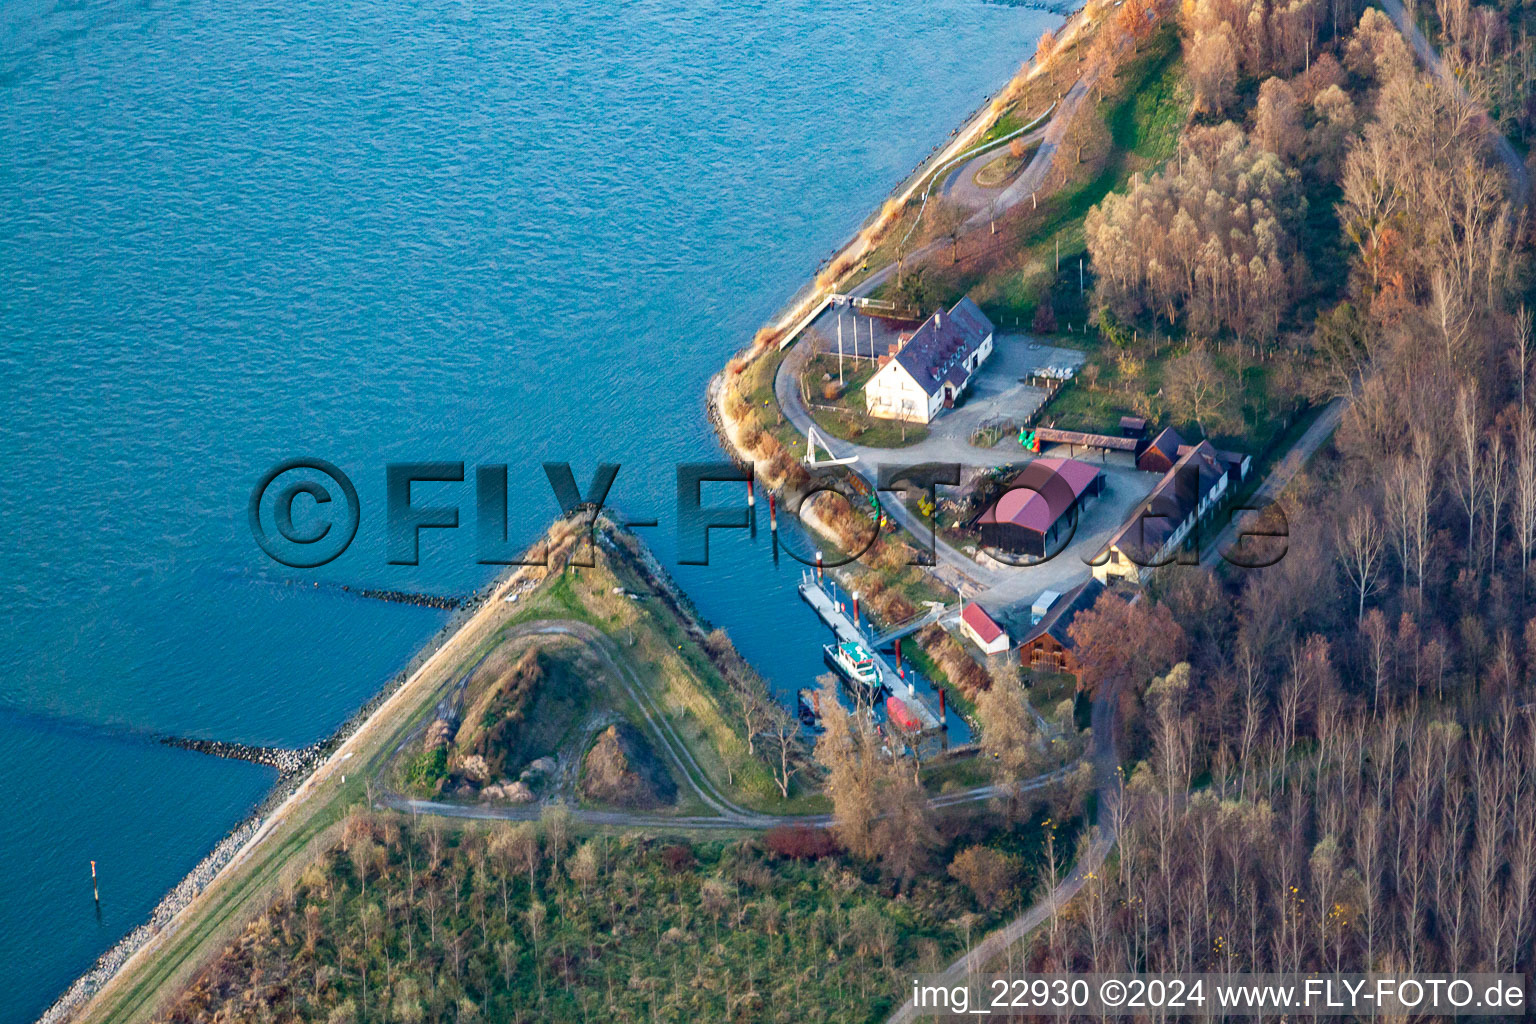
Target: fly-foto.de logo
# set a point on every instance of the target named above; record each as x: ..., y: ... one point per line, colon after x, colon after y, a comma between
x: 305, y: 512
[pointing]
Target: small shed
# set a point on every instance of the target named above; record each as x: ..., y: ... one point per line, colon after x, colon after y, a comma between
x: 1160, y: 455
x: 983, y: 630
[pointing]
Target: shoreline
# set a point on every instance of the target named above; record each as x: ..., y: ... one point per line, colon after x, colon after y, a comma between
x: 805, y: 301
x: 866, y: 237
x: 271, y: 810
x: 291, y: 790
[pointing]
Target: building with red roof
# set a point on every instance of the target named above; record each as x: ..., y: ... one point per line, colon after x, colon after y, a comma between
x: 1038, y: 504
x: 983, y: 630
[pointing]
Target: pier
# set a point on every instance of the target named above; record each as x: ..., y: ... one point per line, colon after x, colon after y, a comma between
x: 834, y: 610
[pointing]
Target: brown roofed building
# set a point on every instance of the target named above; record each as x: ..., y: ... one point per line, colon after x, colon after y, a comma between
x: 1161, y: 452
x: 1049, y: 645
x: 1039, y: 501
x: 1188, y: 492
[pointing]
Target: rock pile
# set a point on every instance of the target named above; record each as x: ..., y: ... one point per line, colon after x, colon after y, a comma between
x: 289, y: 763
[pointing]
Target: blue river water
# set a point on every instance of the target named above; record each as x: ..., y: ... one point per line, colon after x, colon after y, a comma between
x: 490, y: 233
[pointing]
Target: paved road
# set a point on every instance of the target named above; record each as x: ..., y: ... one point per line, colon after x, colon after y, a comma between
x: 1285, y: 471
x: 755, y: 822
x: 999, y: 587
x: 954, y: 563
x: 1520, y: 175
x: 960, y: 184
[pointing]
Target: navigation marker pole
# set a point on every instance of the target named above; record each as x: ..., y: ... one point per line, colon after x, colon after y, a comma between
x: 752, y: 499
x: 773, y: 525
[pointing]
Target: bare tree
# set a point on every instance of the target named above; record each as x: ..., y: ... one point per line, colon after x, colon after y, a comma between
x: 1525, y: 492
x: 1197, y: 386
x: 784, y: 739
x: 1496, y: 471
x: 1520, y: 354
x: 1360, y: 547
x: 1467, y: 472
x: 1007, y: 735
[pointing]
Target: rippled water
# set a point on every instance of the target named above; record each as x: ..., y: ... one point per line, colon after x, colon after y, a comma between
x: 235, y: 233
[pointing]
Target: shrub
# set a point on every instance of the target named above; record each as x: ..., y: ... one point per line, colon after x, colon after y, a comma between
x: 428, y: 768
x: 677, y: 858
x: 800, y: 842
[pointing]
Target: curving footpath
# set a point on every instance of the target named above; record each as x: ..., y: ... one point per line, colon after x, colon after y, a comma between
x: 729, y: 815
x: 1519, y: 174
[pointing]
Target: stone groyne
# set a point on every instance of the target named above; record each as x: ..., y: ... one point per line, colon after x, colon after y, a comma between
x: 406, y: 597
x: 288, y: 762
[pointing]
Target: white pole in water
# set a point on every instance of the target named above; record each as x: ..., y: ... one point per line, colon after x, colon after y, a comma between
x: 95, y: 890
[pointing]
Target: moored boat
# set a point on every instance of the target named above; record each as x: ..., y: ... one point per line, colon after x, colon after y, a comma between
x: 856, y: 667
x: 809, y: 703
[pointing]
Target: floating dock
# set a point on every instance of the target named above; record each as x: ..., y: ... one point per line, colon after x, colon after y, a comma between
x: 835, y: 609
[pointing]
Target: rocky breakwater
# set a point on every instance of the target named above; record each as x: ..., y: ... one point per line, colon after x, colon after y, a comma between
x: 406, y: 597
x: 288, y: 762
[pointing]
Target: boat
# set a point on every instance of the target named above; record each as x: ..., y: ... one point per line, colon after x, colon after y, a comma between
x: 896, y: 710
x: 809, y: 702
x: 856, y: 667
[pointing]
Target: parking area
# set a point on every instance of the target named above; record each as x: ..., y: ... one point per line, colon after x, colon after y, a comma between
x: 998, y: 394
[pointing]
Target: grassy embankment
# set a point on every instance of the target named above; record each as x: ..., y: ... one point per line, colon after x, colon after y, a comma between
x: 663, y: 656
x: 682, y: 679
x: 1033, y: 97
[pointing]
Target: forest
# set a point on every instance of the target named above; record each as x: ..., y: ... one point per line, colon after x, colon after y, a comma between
x: 1340, y: 771
x: 407, y: 920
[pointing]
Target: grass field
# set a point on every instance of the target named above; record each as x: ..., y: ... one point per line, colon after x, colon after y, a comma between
x: 846, y: 417
x: 1142, y: 118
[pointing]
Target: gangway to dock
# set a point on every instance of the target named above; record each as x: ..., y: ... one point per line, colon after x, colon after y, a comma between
x: 834, y: 610
x: 911, y: 626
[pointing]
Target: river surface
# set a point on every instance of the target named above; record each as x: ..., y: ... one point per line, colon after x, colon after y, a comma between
x: 235, y: 233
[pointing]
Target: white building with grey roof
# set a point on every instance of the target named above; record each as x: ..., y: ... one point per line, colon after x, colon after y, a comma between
x: 930, y: 371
